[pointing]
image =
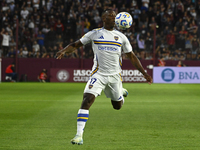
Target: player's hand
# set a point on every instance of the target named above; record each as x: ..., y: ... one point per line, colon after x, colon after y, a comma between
x: 59, y: 54
x: 148, y: 78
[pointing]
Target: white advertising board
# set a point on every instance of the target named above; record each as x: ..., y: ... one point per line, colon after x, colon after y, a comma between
x: 176, y: 75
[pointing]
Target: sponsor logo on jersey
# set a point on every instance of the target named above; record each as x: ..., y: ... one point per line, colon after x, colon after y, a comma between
x: 101, y: 37
x: 106, y: 48
x: 116, y: 38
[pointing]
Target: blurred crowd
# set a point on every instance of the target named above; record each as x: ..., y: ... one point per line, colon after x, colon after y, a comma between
x: 46, y: 26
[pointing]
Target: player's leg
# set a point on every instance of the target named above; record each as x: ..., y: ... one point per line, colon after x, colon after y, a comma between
x: 82, y: 117
x: 93, y: 88
x: 114, y: 91
x: 88, y: 100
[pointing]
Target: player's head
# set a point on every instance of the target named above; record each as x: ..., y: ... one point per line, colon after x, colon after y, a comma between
x: 108, y: 17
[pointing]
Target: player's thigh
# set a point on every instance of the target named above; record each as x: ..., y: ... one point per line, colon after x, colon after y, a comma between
x: 114, y: 89
x: 95, y: 85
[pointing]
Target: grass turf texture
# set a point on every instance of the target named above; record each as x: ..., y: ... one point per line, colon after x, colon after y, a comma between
x: 37, y: 116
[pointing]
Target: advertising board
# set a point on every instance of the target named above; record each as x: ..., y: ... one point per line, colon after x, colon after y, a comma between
x: 83, y: 75
x: 176, y: 75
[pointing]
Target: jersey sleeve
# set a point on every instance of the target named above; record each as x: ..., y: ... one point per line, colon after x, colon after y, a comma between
x: 87, y: 38
x: 126, y: 46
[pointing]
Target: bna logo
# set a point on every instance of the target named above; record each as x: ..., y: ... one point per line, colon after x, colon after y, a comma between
x: 168, y: 75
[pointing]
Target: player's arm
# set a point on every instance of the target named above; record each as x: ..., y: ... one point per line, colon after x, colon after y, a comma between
x: 69, y: 49
x: 136, y: 63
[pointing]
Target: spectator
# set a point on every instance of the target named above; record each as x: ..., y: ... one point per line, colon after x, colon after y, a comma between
x: 149, y: 46
x: 38, y: 20
x: 50, y: 37
x: 49, y: 4
x: 38, y: 55
x: 161, y: 62
x: 5, y: 7
x: 94, y: 11
x: 59, y: 40
x: 180, y: 64
x: 29, y: 8
x: 143, y: 19
x: 31, y: 25
x: 43, y: 23
x: 12, y: 43
x: 171, y: 40
x: 11, y: 53
x: 195, y: 47
x: 86, y: 25
x: 136, y: 13
x: 59, y: 27
x: 12, y: 7
x: 179, y: 9
x: 25, y: 52
x: 45, y: 29
x: 55, y: 49
x: 10, y: 71
x: 27, y: 38
x: 179, y: 24
x: 5, y: 42
x: 40, y: 38
x: 68, y: 27
x: 42, y: 77
x: 30, y: 54
x: 36, y: 46
x: 24, y: 13
x: 36, y: 3
x: 188, y: 44
x: 97, y: 18
x: 141, y: 46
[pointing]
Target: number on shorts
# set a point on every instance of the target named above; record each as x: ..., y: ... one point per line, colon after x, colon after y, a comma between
x: 93, y: 80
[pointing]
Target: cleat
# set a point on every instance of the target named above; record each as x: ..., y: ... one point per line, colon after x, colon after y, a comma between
x: 125, y: 92
x: 77, y: 140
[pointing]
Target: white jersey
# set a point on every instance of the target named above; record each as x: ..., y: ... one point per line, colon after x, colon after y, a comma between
x: 5, y: 41
x: 107, y: 47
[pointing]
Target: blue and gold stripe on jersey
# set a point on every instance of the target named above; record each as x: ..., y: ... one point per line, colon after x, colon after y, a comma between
x: 97, y: 67
x: 120, y: 62
x: 82, y: 117
x: 120, y: 76
x: 107, y: 43
x: 95, y: 70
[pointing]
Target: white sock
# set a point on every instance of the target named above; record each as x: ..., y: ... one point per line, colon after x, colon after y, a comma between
x: 123, y: 101
x: 82, y: 118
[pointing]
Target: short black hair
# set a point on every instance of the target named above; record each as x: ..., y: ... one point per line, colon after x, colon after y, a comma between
x: 107, y: 9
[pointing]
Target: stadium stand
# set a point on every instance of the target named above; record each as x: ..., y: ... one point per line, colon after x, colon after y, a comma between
x: 52, y: 24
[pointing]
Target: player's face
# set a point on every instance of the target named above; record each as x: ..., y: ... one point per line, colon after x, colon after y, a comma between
x: 109, y: 20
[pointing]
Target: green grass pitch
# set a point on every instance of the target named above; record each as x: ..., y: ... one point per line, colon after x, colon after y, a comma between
x: 42, y: 116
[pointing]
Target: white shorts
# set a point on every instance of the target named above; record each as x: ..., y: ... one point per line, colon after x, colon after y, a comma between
x: 111, y: 85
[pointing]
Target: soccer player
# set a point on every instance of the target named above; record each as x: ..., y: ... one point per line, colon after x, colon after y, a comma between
x: 107, y: 44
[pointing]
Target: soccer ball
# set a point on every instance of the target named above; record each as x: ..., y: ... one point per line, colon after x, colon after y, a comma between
x: 123, y: 20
